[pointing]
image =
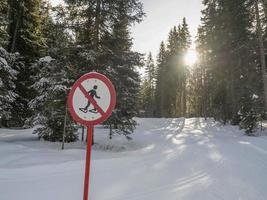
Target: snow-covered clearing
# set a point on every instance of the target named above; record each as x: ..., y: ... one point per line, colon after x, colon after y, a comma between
x: 168, y: 159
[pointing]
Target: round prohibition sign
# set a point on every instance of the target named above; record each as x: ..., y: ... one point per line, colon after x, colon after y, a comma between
x: 91, y: 99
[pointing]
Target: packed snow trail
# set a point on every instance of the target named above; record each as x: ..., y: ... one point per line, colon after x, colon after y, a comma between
x: 167, y: 159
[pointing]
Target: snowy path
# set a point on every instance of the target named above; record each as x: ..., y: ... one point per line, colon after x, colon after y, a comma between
x: 167, y: 159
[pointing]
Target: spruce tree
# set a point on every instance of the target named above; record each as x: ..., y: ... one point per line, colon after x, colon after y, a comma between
x: 122, y: 62
x: 171, y: 87
x: 149, y: 87
x: 52, y: 84
x: 52, y: 77
x: 227, y: 65
x: 58, y: 41
x: 7, y: 84
x: 172, y: 73
x: 196, y: 101
x: 102, y: 43
x: 185, y: 45
x: 160, y: 80
x: 24, y: 29
x: 3, y: 22
x: 250, y: 113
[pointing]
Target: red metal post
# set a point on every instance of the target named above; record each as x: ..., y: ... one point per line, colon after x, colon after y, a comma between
x: 90, y: 130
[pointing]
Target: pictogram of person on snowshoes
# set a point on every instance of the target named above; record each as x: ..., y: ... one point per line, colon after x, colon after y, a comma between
x: 94, y: 95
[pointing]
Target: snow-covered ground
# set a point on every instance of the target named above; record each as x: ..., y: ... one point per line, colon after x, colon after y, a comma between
x: 168, y: 159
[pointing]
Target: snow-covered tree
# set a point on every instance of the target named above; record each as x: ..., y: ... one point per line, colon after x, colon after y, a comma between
x: 122, y: 62
x: 49, y: 105
x: 226, y: 47
x: 7, y: 86
x: 25, y: 37
x: 250, y: 113
x: 3, y: 22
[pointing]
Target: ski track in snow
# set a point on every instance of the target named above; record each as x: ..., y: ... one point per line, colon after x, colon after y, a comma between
x: 168, y: 159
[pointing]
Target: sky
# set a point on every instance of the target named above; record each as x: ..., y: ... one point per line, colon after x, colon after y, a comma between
x: 161, y: 16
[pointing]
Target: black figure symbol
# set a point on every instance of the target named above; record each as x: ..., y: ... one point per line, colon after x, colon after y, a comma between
x: 93, y: 94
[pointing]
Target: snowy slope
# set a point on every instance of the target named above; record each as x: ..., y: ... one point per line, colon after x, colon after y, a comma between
x: 168, y: 159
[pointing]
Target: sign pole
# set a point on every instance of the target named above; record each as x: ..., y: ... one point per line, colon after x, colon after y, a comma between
x: 89, y: 106
x: 90, y: 130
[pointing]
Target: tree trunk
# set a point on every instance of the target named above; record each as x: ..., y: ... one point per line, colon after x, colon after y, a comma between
x: 204, y: 96
x: 184, y: 98
x: 110, y: 131
x: 262, y: 56
x: 233, y: 95
x: 97, y: 23
x: 65, y: 124
x: 13, y: 31
x: 82, y: 133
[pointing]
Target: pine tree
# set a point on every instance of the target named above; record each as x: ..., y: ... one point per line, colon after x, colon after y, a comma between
x: 52, y: 78
x: 259, y: 31
x: 160, y: 80
x: 228, y: 66
x: 102, y: 43
x: 3, y: 22
x: 196, y: 92
x: 172, y: 73
x: 185, y: 45
x: 122, y: 62
x: 149, y: 87
x: 58, y: 41
x: 142, y: 98
x: 52, y: 84
x: 24, y: 29
x: 7, y: 85
x: 250, y: 114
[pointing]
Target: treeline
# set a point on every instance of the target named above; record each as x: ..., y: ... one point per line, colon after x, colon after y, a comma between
x: 227, y: 81
x: 163, y: 90
x: 44, y: 49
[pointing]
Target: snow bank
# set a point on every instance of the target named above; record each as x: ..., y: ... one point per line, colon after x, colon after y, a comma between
x: 167, y: 159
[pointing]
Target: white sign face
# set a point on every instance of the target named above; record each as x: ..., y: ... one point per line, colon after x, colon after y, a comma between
x: 91, y: 95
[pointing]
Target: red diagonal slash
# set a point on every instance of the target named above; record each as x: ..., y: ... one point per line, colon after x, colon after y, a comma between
x: 91, y: 100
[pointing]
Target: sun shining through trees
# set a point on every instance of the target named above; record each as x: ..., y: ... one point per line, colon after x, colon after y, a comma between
x: 190, y: 57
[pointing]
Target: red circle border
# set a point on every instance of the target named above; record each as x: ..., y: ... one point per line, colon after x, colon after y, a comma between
x: 111, y: 88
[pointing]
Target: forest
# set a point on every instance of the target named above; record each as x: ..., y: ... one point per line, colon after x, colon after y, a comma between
x: 227, y: 83
x: 45, y: 48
